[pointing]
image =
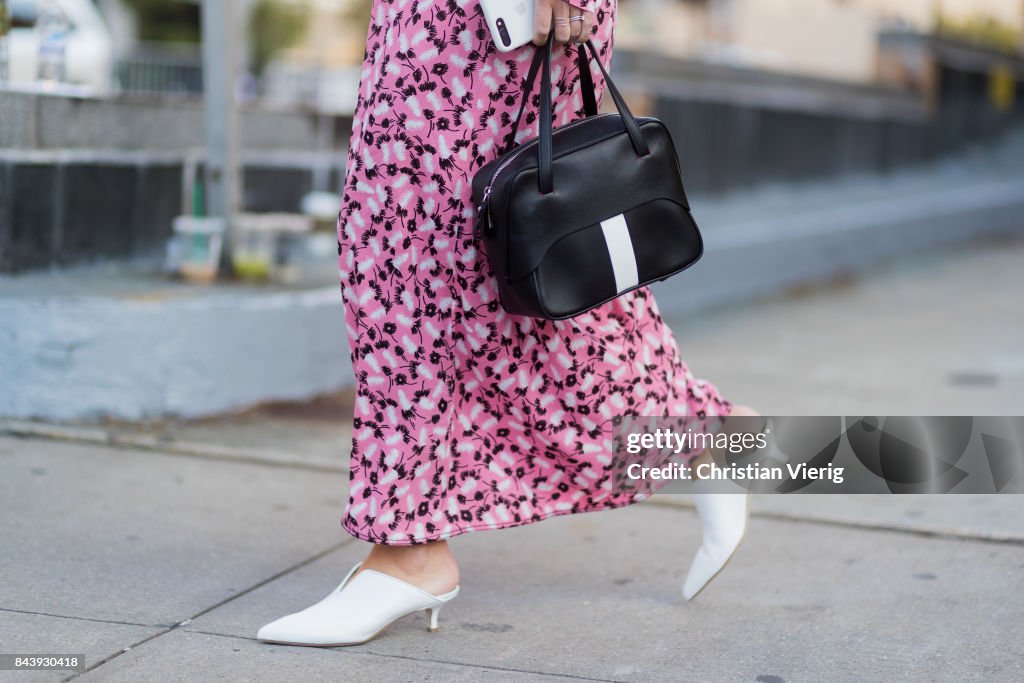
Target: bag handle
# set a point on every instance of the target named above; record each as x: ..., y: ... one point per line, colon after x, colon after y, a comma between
x: 586, y: 82
x: 586, y: 86
x: 544, y: 144
x: 632, y: 127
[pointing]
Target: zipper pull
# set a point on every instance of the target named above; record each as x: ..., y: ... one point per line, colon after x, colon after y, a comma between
x: 482, y: 206
x: 484, y: 212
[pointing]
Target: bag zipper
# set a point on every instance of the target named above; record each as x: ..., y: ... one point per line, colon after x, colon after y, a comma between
x: 490, y: 183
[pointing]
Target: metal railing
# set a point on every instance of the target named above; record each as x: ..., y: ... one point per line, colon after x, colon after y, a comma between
x: 163, y: 68
x: 177, y: 69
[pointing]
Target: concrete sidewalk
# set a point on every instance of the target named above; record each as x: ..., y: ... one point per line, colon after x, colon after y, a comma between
x: 157, y: 550
x: 161, y: 567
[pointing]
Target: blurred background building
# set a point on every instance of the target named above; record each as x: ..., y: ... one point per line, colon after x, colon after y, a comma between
x: 828, y: 38
x: 154, y: 42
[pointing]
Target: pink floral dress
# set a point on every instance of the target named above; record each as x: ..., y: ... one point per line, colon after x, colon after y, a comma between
x: 467, y: 418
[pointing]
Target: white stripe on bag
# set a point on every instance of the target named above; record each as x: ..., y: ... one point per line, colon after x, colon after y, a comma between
x: 620, y: 249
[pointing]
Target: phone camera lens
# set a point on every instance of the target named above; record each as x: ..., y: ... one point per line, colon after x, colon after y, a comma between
x: 503, y: 32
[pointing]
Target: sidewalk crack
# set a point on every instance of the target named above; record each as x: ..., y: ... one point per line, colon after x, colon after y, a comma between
x: 184, y: 622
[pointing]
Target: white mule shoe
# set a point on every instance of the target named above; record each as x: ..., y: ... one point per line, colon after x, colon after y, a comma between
x: 355, y: 612
x: 724, y: 517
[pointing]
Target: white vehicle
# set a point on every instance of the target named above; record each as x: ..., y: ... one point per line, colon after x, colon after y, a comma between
x: 89, y: 47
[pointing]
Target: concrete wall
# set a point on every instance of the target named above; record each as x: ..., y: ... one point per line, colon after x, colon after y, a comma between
x: 32, y: 121
x: 82, y: 357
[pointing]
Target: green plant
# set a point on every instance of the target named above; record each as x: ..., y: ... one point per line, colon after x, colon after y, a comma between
x: 274, y: 26
x: 358, y: 12
x: 166, y: 20
x: 5, y: 21
x: 982, y: 30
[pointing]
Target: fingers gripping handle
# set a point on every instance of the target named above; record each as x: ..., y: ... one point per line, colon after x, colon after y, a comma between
x: 542, y: 56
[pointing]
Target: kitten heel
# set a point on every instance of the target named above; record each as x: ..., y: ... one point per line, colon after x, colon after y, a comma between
x: 362, y: 605
x: 434, y: 613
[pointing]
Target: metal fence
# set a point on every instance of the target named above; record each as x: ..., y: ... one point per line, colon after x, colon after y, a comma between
x: 177, y: 69
x: 163, y: 68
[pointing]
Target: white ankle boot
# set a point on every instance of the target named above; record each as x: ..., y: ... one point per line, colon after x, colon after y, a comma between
x: 724, y: 519
x: 355, y: 612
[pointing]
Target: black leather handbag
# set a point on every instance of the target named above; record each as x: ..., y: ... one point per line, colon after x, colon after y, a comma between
x: 586, y: 212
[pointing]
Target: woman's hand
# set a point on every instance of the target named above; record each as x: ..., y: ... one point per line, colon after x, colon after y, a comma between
x: 557, y: 12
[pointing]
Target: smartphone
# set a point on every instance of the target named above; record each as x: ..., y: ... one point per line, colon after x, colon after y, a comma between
x: 510, y: 22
